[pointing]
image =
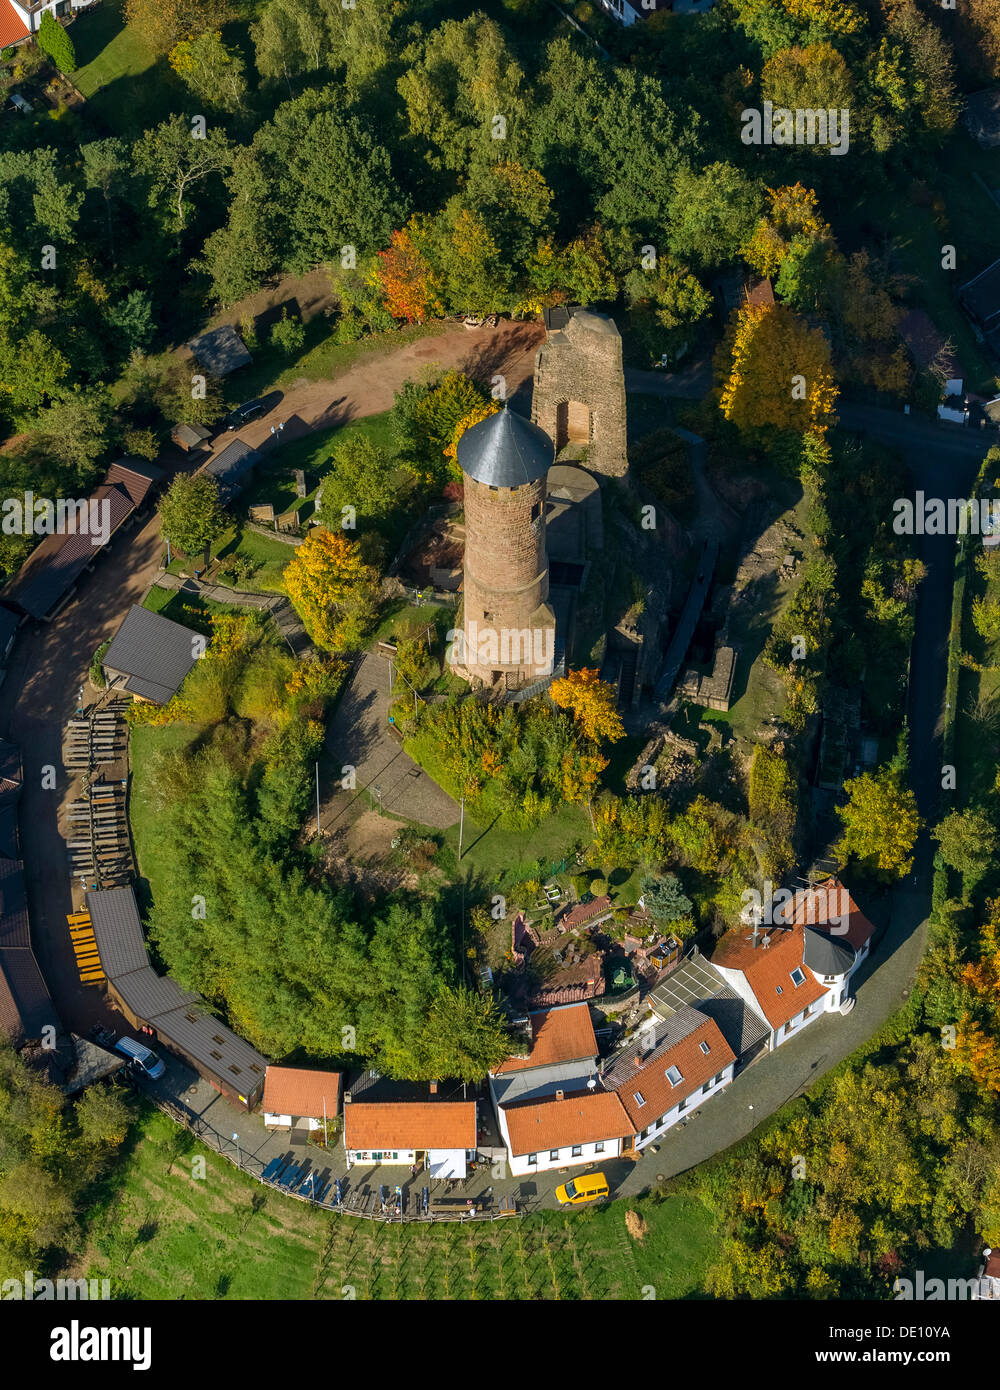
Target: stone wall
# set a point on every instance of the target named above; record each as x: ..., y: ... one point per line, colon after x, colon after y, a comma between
x: 579, y: 390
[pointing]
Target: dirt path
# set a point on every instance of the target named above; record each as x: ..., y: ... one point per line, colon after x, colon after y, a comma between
x: 368, y: 387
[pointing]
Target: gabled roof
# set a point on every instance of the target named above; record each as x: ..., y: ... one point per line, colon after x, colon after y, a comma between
x: 117, y: 930
x: 230, y: 467
x: 155, y: 653
x: 55, y: 565
x: 678, y: 1042
x: 13, y: 904
x: 410, y: 1125
x: 830, y: 908
x: 564, y: 1034
x: 299, y: 1091
x: 12, y: 27
x: 767, y: 968
x: 221, y: 350
x: 25, y: 1005
x: 581, y: 1117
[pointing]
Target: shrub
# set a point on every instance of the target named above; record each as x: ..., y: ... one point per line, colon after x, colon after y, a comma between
x: 96, y: 671
x: 140, y: 443
x: 598, y: 886
x: 54, y: 40
x: 287, y: 334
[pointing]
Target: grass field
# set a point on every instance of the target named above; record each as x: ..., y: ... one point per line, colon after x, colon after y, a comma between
x: 128, y: 88
x: 158, y: 1232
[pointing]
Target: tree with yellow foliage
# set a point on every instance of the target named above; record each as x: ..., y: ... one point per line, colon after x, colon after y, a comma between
x: 776, y: 372
x: 333, y: 588
x: 881, y: 823
x: 592, y: 702
x: 793, y: 211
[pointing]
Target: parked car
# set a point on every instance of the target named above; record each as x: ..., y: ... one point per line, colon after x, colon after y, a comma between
x: 590, y: 1187
x: 141, y: 1057
x: 243, y: 414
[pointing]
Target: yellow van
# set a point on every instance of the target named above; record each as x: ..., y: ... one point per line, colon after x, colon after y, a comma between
x: 590, y: 1187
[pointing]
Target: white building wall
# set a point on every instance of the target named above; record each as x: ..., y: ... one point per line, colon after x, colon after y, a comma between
x: 661, y: 1123
x: 400, y: 1158
x: 285, y: 1121
x: 795, y: 1025
x: 597, y: 1152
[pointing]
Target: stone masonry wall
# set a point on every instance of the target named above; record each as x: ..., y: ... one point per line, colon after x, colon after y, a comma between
x: 583, y: 363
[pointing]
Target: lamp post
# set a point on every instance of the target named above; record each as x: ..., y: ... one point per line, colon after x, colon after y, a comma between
x: 239, y: 1160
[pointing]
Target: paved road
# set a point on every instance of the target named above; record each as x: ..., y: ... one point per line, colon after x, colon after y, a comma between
x: 359, y: 736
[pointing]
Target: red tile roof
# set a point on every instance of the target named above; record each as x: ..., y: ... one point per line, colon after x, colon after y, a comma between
x: 299, y: 1091
x: 695, y: 1067
x: 586, y: 912
x: 410, y: 1125
x: 581, y: 1117
x: 767, y: 969
x: 830, y: 905
x: 557, y: 1035
x: 12, y: 26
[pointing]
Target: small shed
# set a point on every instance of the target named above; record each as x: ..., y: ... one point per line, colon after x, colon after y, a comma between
x: 191, y: 438
x: 151, y: 655
x: 300, y: 1098
x: 221, y: 350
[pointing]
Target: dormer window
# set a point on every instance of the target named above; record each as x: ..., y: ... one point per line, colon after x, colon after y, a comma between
x: 639, y: 1098
x: 778, y: 989
x: 673, y: 1076
x: 797, y: 977
x: 705, y: 1048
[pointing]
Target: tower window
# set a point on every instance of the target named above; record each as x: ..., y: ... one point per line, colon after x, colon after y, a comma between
x: 536, y: 511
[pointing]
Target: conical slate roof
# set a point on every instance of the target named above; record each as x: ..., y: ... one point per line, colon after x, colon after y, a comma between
x: 825, y: 954
x: 505, y: 450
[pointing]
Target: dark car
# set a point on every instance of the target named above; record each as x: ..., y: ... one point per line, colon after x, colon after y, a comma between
x: 243, y: 414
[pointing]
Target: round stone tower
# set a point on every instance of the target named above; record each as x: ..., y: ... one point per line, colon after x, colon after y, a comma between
x: 509, y: 628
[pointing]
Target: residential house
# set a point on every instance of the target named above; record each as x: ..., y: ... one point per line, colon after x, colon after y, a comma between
x: 798, y: 967
x: 562, y: 1056
x: 150, y: 655
x: 28, y: 15
x: 438, y: 1134
x: 569, y: 1127
x: 989, y: 1276
x: 837, y: 937
x: 299, y: 1098
x: 669, y: 1071
x: 231, y: 468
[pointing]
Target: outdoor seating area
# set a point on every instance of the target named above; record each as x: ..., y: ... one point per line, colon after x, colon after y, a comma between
x: 97, y: 833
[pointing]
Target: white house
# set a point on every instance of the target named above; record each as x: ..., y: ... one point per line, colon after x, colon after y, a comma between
x: 296, y: 1098
x: 567, y: 1128
x: 799, y: 966
x: 672, y: 1068
x: 439, y: 1135
x: 30, y: 14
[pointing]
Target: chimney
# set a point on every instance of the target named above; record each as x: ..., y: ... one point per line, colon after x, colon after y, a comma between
x: 347, y: 1097
x: 637, y: 1059
x: 434, y: 1088
x: 560, y: 1095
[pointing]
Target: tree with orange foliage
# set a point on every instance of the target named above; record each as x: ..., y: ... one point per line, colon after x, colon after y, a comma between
x: 408, y: 282
x: 333, y: 588
x: 592, y: 702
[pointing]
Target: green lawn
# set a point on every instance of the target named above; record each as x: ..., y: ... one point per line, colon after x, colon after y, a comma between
x: 274, y: 479
x: 144, y: 743
x: 159, y: 1232
x: 128, y: 88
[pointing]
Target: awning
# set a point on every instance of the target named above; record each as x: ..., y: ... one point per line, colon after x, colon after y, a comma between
x: 446, y: 1163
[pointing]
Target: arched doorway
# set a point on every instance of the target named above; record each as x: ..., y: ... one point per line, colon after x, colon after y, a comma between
x: 572, y: 424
